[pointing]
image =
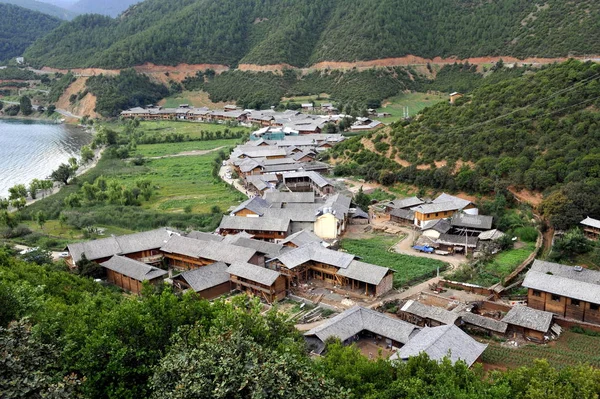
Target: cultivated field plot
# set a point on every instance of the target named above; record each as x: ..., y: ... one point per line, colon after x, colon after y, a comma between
x: 570, y: 349
x: 414, y: 101
x: 191, y: 129
x: 164, y: 149
x: 409, y: 269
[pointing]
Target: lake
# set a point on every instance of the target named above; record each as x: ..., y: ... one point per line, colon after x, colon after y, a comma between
x: 33, y: 149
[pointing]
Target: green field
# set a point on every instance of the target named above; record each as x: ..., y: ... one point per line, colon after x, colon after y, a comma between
x: 316, y: 99
x: 569, y: 350
x: 162, y: 149
x: 409, y: 269
x: 415, y: 102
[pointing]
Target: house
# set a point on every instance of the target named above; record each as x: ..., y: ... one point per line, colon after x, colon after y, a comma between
x: 130, y: 274
x: 572, y: 292
x: 402, y: 216
x: 359, y: 323
x: 259, y: 281
x: 435, y: 228
x: 591, y: 228
x: 478, y: 324
x: 530, y: 323
x: 186, y: 253
x: 302, y: 216
x: 262, y: 228
x: 253, y: 207
x: 301, y: 238
x: 332, y: 217
x: 308, y: 181
x: 358, y: 216
x: 405, y: 203
x: 365, y: 125
x: 489, y: 240
x: 422, y: 315
x: 208, y: 282
x: 455, y: 96
x: 473, y: 225
x: 441, y: 342
x: 266, y: 250
x: 454, y: 243
x: 444, y: 206
x: 259, y: 184
x: 313, y: 261
x: 143, y: 247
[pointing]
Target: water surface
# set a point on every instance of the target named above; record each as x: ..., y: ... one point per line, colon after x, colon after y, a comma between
x: 32, y: 149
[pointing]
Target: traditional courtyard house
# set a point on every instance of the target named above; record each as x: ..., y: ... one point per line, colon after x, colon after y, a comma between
x: 313, y: 261
x: 130, y: 274
x: 365, y: 125
x: 405, y: 203
x: 265, y: 250
x: 253, y: 207
x: 442, y: 207
x: 440, y: 342
x: 269, y: 152
x: 423, y: 315
x: 308, y: 181
x: 362, y: 326
x: 301, y: 238
x: 261, y: 228
x: 473, y: 225
x: 144, y: 247
x: 435, y: 228
x: 304, y: 156
x: 318, y: 167
x: 208, y: 282
x: 591, y: 228
x: 572, y: 292
x: 530, y: 323
x: 249, y: 167
x: 402, y: 216
x: 478, y: 324
x: 302, y: 216
x: 185, y: 253
x: 259, y: 281
x: 456, y: 243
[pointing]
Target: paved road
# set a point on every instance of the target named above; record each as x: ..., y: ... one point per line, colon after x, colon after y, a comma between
x: 55, y: 255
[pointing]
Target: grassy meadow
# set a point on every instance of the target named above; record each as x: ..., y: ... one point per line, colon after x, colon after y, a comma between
x: 415, y: 102
x: 166, y: 149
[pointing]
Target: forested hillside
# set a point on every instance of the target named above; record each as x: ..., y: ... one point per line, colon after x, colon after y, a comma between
x: 44, y: 8
x: 538, y: 131
x: 303, y: 32
x: 19, y: 27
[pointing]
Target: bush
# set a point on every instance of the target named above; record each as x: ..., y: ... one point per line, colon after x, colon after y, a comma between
x: 527, y: 234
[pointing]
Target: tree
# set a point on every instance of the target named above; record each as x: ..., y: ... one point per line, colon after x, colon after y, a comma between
x: 570, y: 245
x: 8, y: 219
x: 4, y: 203
x: 38, y: 256
x: 362, y: 200
x: 62, y: 174
x: 25, y: 105
x: 88, y: 268
x: 17, y: 191
x: 40, y: 218
x: 34, y: 186
x: 50, y: 110
x: 86, y: 154
x: 19, y: 203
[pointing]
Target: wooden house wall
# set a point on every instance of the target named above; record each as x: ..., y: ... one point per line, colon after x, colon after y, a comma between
x: 216, y: 291
x: 259, y: 235
x: 591, y: 315
x: 422, y: 217
x: 183, y: 262
x: 399, y: 220
x: 127, y: 283
x: 536, y: 299
x: 246, y: 212
x: 556, y: 306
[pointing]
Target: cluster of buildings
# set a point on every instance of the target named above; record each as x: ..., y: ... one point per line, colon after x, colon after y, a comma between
x: 294, y: 121
x: 449, y: 224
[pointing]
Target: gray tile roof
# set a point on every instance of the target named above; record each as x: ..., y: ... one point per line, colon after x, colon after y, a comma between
x: 200, y: 235
x: 440, y: 342
x: 403, y: 213
x: 296, y: 213
x: 365, y: 272
x: 205, y: 277
x: 480, y: 222
x: 529, y: 318
x: 253, y: 273
x: 442, y: 226
x: 588, y: 221
x: 338, y: 204
x: 282, y: 168
x: 460, y: 202
x: 564, y: 280
x: 317, y: 253
x: 121, y: 245
x: 484, y: 322
x: 211, y: 250
x: 358, y: 213
x: 258, y: 152
x: 405, y: 203
x: 490, y: 235
x: 132, y: 268
x: 279, y: 161
x: 254, y: 204
x: 270, y: 249
x: 456, y: 240
x: 430, y: 312
x: 436, y: 207
x: 289, y: 197
x: 302, y: 237
x: 357, y: 319
x: 249, y: 164
x: 314, y: 176
x: 255, y: 223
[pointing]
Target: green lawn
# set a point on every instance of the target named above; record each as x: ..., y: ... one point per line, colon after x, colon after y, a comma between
x: 162, y: 149
x: 409, y: 269
x: 569, y: 350
x: 316, y: 99
x: 414, y: 101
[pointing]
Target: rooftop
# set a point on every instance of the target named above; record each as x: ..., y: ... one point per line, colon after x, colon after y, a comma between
x: 254, y: 224
x: 289, y: 197
x: 254, y: 273
x: 205, y: 277
x: 365, y: 272
x: 588, y: 221
x: 405, y: 203
x: 480, y: 222
x: 211, y: 250
x: 132, y: 268
x: 317, y: 253
x: 529, y: 318
x: 254, y: 204
x: 430, y: 312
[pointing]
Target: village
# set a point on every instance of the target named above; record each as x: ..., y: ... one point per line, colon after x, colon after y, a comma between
x: 282, y: 245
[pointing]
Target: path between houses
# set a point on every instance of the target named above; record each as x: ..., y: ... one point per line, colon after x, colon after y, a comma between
x: 227, y: 169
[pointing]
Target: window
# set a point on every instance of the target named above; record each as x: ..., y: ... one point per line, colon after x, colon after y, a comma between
x: 593, y: 306
x: 575, y: 302
x: 536, y: 293
x: 436, y: 214
x: 556, y: 298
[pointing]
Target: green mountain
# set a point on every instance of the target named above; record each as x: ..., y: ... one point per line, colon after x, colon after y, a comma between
x: 112, y: 8
x: 303, y: 32
x: 19, y: 27
x: 43, y: 7
x: 537, y: 131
